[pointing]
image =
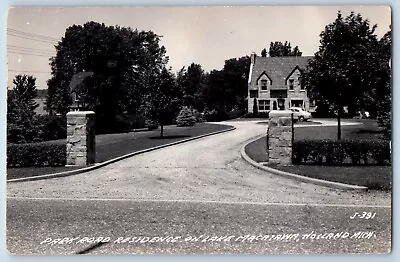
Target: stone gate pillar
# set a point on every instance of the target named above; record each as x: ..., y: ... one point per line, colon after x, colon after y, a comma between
x: 81, y: 138
x: 279, y: 138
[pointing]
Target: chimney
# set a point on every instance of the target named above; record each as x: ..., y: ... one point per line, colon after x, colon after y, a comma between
x: 253, y: 58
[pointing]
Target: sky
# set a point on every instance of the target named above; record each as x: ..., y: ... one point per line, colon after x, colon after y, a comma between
x: 203, y: 35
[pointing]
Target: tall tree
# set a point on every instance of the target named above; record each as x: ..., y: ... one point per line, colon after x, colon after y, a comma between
x: 383, y: 90
x: 236, y: 74
x: 191, y: 82
x: 264, y: 52
x: 163, y: 103
x: 343, y: 69
x: 25, y: 90
x: 21, y: 126
x: 225, y: 90
x: 124, y: 63
x: 278, y: 48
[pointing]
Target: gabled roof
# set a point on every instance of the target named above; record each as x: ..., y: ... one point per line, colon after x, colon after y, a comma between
x: 264, y: 73
x: 291, y: 73
x: 278, y: 68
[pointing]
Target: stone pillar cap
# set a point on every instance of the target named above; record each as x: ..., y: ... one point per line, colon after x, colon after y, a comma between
x: 280, y: 113
x: 80, y: 113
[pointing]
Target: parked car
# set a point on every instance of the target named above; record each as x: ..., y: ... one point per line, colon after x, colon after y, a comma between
x: 300, y: 114
x: 362, y: 115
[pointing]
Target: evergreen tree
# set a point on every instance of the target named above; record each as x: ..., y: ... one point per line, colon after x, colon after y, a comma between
x: 21, y: 125
x: 186, y: 117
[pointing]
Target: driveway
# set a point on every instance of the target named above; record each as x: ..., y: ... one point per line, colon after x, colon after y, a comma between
x: 198, y: 190
x: 210, y: 168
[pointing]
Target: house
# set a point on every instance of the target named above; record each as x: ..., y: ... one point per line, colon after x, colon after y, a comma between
x: 40, y: 99
x: 77, y: 81
x: 275, y: 83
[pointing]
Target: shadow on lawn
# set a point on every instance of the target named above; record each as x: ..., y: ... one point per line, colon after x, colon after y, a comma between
x: 169, y: 137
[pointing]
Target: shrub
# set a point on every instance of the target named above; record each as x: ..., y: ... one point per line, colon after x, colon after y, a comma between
x: 256, y: 115
x: 151, y: 124
x: 52, y: 127
x: 124, y: 122
x: 255, y: 106
x: 215, y: 115
x: 198, y: 116
x: 335, y: 153
x: 380, y: 151
x: 51, y: 153
x: 185, y: 117
x: 234, y: 114
x: 339, y: 152
x: 358, y: 150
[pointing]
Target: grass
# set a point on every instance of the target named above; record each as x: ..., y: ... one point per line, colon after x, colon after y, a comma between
x: 257, y: 150
x: 369, y: 130
x: 110, y: 146
x: 373, y: 177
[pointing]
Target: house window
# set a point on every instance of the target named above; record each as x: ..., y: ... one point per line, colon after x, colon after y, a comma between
x: 301, y: 83
x: 263, y: 105
x: 253, y: 93
x: 291, y: 84
x: 264, y: 85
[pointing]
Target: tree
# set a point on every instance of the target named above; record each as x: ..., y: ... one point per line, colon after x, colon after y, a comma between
x: 236, y: 74
x: 124, y: 63
x: 383, y: 90
x: 343, y: 69
x: 21, y: 127
x: 224, y: 91
x: 255, y: 107
x: 191, y: 83
x: 264, y: 52
x: 25, y: 90
x: 277, y: 48
x: 186, y: 117
x: 164, y: 101
x: 213, y: 95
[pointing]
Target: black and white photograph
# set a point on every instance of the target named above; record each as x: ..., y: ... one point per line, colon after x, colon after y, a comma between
x: 206, y: 130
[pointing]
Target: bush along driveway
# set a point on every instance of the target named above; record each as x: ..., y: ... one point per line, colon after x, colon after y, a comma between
x: 361, y: 168
x: 110, y: 146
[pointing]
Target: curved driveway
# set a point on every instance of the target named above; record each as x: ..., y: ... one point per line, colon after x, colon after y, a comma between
x: 209, y: 169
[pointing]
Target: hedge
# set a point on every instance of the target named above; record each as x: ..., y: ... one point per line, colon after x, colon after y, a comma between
x: 50, y: 153
x: 51, y: 127
x: 256, y: 115
x: 341, y: 152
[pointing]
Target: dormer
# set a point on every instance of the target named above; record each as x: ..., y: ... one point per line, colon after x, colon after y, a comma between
x: 293, y: 80
x: 264, y: 82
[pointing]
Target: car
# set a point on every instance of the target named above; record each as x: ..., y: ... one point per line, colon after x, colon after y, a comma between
x: 362, y: 115
x: 300, y: 114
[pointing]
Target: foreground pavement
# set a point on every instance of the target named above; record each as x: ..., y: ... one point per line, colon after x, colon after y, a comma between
x: 217, y: 188
x: 132, y: 227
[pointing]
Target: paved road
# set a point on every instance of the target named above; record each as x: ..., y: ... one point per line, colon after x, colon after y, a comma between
x: 33, y: 226
x: 208, y: 169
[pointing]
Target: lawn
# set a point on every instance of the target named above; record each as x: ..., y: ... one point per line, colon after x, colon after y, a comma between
x: 368, y: 130
x: 374, y: 177
x: 110, y: 146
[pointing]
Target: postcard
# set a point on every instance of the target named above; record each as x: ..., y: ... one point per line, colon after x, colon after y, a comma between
x: 199, y: 130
